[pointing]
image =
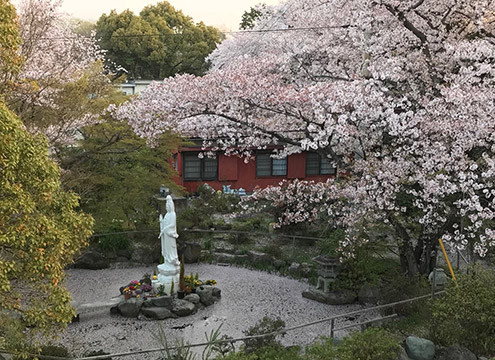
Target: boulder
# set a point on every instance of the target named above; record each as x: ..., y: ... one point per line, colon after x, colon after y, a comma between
x: 216, y: 292
x: 92, y: 260
x: 258, y: 257
x: 369, y: 294
x: 332, y: 298
x: 402, y: 355
x: 157, y: 313
x: 192, y: 298
x: 454, y: 353
x: 146, y: 254
x: 130, y: 308
x: 206, y: 295
x: 223, y: 257
x: 305, y: 270
x: 183, y: 307
x: 125, y: 253
x: 294, y: 268
x: 159, y: 301
x: 419, y: 349
x: 190, y: 251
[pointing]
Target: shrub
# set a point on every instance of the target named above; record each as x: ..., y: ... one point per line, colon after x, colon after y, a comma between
x: 322, y: 349
x: 372, y: 344
x: 465, y: 315
x: 265, y: 326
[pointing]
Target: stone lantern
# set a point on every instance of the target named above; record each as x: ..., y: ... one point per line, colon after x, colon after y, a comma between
x: 328, y: 269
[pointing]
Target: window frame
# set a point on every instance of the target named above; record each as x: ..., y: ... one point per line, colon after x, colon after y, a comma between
x: 271, y: 166
x: 320, y: 160
x: 202, y: 164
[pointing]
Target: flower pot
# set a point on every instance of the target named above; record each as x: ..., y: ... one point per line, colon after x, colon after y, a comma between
x: 127, y: 296
x: 180, y: 294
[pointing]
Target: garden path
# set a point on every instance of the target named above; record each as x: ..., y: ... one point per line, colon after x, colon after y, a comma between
x: 247, y: 296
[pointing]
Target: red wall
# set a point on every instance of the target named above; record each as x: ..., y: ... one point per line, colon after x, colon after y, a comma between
x: 233, y: 171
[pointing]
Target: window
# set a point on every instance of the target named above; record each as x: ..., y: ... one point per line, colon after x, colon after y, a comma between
x: 195, y: 168
x: 267, y: 166
x: 318, y: 165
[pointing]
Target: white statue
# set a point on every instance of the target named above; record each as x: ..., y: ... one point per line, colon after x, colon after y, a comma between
x: 168, y: 234
x: 168, y: 272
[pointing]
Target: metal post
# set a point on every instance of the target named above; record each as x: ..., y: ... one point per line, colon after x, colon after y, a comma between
x: 332, y: 324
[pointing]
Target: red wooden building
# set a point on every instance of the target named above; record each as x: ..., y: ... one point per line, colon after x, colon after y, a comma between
x: 261, y: 171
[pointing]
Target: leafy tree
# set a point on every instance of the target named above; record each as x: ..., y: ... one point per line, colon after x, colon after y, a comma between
x: 117, y: 175
x: 40, y: 232
x: 249, y: 18
x: 398, y: 95
x: 61, y: 83
x: 158, y: 43
x: 10, y: 60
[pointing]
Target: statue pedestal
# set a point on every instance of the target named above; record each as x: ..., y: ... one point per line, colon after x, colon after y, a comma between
x: 166, y: 274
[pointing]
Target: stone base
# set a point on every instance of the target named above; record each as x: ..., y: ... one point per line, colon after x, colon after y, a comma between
x: 332, y: 298
x: 167, y: 273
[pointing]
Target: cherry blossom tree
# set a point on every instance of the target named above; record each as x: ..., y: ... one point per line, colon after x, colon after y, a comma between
x: 56, y: 59
x: 398, y: 94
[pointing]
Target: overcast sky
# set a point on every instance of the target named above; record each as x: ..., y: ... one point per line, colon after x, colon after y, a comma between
x: 225, y: 14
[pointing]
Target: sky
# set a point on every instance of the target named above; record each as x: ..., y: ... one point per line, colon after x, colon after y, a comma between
x: 224, y: 14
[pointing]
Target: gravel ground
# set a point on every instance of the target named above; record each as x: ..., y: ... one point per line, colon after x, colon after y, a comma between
x: 247, y: 296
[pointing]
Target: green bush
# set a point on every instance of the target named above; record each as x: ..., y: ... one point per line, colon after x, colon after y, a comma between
x: 113, y: 242
x: 322, y: 349
x: 372, y: 344
x: 465, y: 315
x: 264, y: 326
x: 398, y: 286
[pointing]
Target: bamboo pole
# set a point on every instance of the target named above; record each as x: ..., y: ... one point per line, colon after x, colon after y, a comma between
x: 447, y: 259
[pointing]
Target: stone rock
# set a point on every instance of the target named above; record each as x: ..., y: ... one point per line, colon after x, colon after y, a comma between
x: 157, y: 313
x: 92, y: 260
x: 121, y: 259
x: 114, y: 310
x: 258, y: 257
x: 126, y: 253
x: 205, y: 255
x: 279, y: 264
x: 192, y: 298
x: 146, y: 254
x: 333, y: 298
x: 402, y: 355
x: 294, y: 268
x: 216, y: 292
x: 182, y: 307
x: 419, y: 349
x: 369, y: 294
x: 159, y: 301
x: 454, y: 353
x: 223, y: 257
x: 206, y: 295
x: 305, y: 270
x: 130, y: 308
x: 190, y: 251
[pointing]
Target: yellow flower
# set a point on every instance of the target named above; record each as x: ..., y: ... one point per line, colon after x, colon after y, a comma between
x: 138, y: 295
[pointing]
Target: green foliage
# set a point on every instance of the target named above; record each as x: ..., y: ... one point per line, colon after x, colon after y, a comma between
x: 111, y: 163
x: 264, y: 326
x: 161, y: 290
x: 112, y: 242
x: 10, y: 40
x: 249, y: 18
x: 41, y: 230
x: 465, y: 315
x: 372, y: 344
x: 171, y: 43
x: 321, y: 349
x: 182, y: 283
x: 365, y: 267
x: 397, y: 287
x: 331, y: 243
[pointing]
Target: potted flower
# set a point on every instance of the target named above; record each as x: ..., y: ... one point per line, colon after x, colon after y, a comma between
x: 127, y: 293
